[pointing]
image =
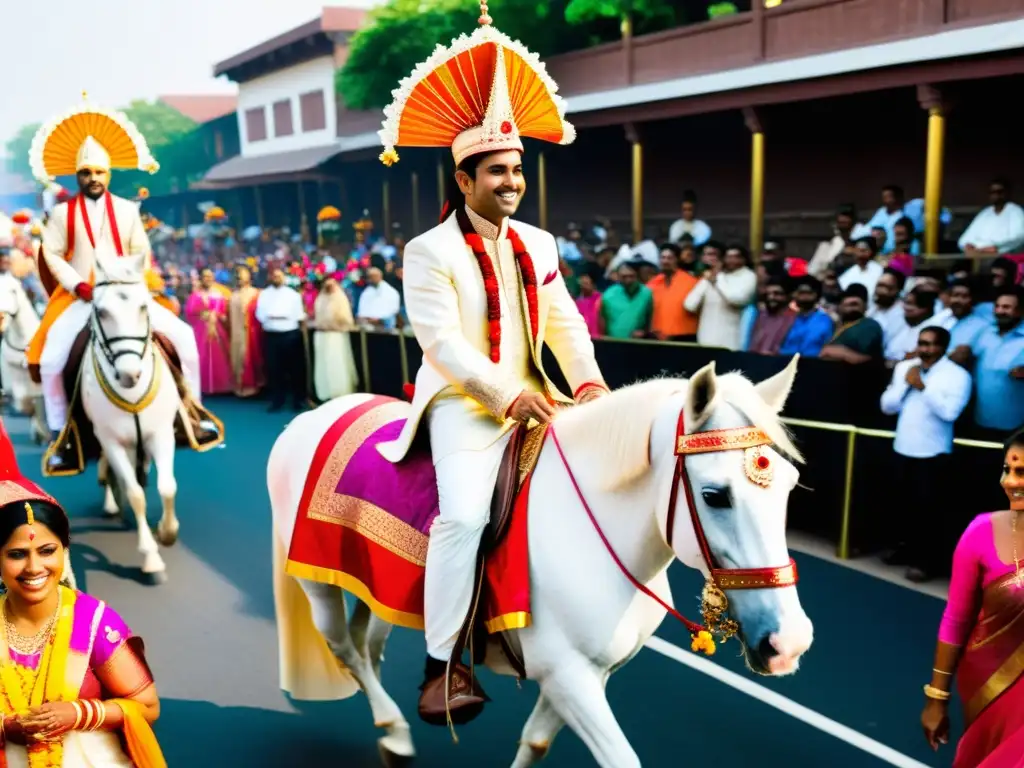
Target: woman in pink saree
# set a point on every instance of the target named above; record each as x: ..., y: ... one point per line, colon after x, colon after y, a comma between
x: 981, y: 638
x: 207, y: 313
x: 246, y: 336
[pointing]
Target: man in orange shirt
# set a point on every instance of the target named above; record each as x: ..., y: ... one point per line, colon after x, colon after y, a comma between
x: 671, y: 321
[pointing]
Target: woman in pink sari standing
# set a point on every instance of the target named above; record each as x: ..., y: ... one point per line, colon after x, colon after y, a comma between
x: 207, y: 313
x: 981, y: 638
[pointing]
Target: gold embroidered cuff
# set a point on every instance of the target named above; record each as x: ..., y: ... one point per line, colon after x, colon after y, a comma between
x: 494, y: 399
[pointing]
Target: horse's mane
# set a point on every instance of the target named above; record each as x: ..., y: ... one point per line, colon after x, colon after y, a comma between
x: 612, y: 434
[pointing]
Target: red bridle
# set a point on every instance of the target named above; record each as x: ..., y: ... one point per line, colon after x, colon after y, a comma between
x: 758, y: 470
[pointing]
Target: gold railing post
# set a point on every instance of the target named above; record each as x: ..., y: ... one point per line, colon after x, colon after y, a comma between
x: 364, y: 354
x: 633, y: 137
x: 403, y: 356
x: 753, y: 121
x: 542, y: 191
x: 843, y: 550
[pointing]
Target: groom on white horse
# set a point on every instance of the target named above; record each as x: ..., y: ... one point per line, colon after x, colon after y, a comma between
x: 483, y: 294
x: 76, y: 228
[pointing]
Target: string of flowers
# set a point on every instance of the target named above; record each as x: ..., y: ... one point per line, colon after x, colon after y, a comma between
x: 526, y: 271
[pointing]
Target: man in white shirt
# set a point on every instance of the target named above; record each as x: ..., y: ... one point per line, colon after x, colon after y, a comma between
x: 865, y: 270
x: 379, y: 303
x: 689, y: 224
x: 928, y: 392
x: 999, y: 228
x: 279, y: 310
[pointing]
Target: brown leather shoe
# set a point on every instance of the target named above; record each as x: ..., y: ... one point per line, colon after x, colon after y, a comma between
x: 465, y: 698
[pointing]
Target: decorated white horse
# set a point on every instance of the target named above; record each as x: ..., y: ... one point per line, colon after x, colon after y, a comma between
x: 129, y: 394
x: 19, y: 321
x: 694, y: 470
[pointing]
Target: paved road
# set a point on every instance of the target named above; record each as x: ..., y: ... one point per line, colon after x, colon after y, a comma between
x: 211, y: 641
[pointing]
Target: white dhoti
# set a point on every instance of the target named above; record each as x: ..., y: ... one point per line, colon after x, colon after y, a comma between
x: 65, y: 329
x: 465, y: 485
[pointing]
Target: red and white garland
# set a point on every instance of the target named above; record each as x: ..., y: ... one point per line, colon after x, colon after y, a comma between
x: 526, y: 270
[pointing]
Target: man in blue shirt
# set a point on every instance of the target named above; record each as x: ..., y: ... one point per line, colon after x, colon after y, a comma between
x: 960, y: 319
x: 999, y: 366
x: 812, y: 329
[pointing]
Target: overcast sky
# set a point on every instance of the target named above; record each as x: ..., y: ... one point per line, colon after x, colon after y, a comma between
x: 119, y: 50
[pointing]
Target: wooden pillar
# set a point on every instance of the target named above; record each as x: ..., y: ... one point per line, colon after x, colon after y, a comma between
x: 637, y: 207
x: 415, y: 180
x: 930, y: 98
x: 754, y: 124
x: 542, y: 191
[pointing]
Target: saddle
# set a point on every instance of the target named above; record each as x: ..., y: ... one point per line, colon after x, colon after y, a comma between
x: 77, y: 445
x: 517, y: 463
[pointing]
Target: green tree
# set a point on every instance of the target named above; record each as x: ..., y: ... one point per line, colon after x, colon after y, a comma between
x: 17, y: 151
x: 402, y: 33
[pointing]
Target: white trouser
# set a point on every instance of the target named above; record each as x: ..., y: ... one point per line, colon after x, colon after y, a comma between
x: 61, y: 337
x: 465, y: 485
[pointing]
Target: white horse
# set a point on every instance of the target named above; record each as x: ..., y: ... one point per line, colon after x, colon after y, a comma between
x: 129, y: 394
x: 19, y: 323
x: 587, y: 618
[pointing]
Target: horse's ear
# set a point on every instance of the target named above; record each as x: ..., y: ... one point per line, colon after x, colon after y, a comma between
x: 138, y: 262
x: 701, y: 397
x: 775, y: 391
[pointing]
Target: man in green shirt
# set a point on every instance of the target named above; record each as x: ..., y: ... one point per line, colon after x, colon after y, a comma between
x: 627, y: 306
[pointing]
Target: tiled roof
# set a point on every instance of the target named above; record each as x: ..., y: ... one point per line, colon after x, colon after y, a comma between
x: 201, y: 108
x: 332, y: 19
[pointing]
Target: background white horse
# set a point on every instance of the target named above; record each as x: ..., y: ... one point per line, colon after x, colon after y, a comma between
x: 129, y: 394
x: 19, y: 323
x: 588, y: 619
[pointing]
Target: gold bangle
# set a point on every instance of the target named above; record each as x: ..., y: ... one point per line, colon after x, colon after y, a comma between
x: 941, y: 671
x: 102, y: 708
x: 79, y: 714
x: 90, y: 715
x: 936, y: 693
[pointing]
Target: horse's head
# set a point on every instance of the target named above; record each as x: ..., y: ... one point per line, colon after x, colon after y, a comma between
x: 121, y: 314
x: 741, y: 491
x: 733, y: 463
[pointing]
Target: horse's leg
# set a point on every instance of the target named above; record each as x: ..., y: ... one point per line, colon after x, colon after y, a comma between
x: 160, y: 447
x: 331, y: 620
x: 538, y: 733
x: 577, y: 692
x: 110, y: 508
x: 376, y: 637
x: 123, y: 466
x: 369, y: 634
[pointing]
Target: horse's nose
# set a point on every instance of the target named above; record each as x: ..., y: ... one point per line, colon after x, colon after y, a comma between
x: 780, y: 653
x: 129, y: 380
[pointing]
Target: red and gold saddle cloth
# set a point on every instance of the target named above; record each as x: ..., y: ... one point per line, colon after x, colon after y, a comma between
x: 363, y: 524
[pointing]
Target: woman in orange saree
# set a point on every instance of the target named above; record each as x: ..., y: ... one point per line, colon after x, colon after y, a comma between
x: 75, y: 689
x: 981, y: 638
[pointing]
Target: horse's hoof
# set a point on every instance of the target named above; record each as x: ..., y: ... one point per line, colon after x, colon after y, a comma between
x: 166, y: 538
x: 155, y: 579
x: 391, y: 759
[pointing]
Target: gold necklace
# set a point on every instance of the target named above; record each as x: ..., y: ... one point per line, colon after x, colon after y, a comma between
x: 29, y: 646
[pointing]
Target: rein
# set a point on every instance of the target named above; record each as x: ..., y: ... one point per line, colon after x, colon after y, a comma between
x: 714, y: 603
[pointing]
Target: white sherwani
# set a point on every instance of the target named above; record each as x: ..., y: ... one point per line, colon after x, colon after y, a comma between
x: 62, y: 334
x: 465, y: 395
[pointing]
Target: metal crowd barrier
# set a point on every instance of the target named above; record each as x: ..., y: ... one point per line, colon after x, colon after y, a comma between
x: 852, y: 431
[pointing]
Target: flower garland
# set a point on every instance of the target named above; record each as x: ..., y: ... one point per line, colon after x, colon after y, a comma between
x: 526, y: 272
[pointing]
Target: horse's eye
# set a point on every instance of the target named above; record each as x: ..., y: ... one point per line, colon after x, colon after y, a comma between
x: 717, y: 498
x: 104, y: 314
